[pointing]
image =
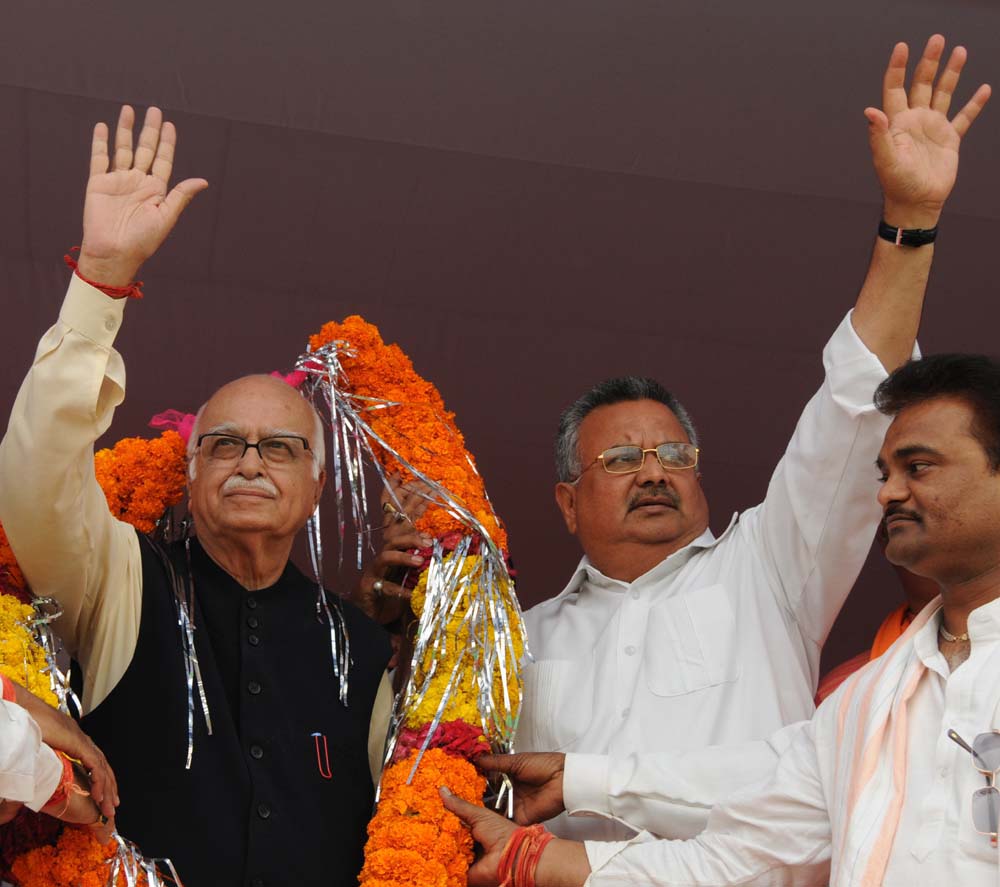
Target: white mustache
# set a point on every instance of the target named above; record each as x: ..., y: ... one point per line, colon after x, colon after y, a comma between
x: 238, y: 482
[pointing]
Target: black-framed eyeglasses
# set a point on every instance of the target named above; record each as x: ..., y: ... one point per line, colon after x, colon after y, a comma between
x: 280, y: 449
x: 985, y: 751
x: 674, y: 456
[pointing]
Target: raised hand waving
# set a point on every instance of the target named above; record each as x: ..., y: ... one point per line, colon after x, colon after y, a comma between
x: 129, y: 210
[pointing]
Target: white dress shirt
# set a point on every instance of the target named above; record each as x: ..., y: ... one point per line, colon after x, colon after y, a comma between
x: 779, y: 832
x: 719, y: 644
x: 29, y: 770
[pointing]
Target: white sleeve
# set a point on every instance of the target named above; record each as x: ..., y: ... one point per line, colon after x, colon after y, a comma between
x: 669, y: 794
x: 817, y: 522
x: 51, y: 506
x: 774, y: 833
x: 29, y: 770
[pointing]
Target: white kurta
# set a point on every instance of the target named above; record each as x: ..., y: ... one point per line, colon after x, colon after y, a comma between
x: 719, y: 644
x: 780, y: 831
x: 29, y: 770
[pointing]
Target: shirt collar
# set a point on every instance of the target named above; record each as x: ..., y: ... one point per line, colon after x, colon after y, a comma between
x: 587, y: 572
x: 983, y: 625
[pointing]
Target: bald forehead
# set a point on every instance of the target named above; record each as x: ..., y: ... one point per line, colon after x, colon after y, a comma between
x: 260, y: 403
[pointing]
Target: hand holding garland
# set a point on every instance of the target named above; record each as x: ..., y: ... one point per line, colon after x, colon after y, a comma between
x: 128, y: 210
x: 385, y: 601
x: 61, y: 733
x: 537, y: 778
x: 559, y: 863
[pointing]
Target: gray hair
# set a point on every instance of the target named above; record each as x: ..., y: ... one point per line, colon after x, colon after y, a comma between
x: 317, y: 445
x: 610, y: 391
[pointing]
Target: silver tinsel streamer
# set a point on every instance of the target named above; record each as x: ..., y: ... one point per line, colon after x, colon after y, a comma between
x: 47, y: 610
x: 481, y: 586
x: 130, y: 863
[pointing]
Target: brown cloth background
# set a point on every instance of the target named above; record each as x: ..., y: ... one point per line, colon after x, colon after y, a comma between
x: 527, y: 196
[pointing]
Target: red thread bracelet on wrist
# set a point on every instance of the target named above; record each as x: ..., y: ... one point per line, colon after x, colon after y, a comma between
x: 61, y: 795
x: 132, y: 291
x: 521, y: 855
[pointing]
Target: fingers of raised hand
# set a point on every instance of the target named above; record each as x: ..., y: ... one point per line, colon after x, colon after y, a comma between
x: 948, y: 81
x: 894, y: 83
x: 123, y: 138
x: 99, y: 150
x: 922, y: 84
x: 148, y: 139
x: 965, y: 118
x: 181, y: 195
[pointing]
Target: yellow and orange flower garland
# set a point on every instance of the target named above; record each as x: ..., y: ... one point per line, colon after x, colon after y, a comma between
x: 458, y: 700
x: 140, y: 479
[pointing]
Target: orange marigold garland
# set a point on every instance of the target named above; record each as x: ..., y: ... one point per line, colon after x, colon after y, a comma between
x: 463, y: 694
x: 142, y: 478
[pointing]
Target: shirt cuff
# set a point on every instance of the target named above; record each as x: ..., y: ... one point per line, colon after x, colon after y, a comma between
x: 48, y: 773
x: 853, y: 372
x: 91, y: 313
x: 585, y: 784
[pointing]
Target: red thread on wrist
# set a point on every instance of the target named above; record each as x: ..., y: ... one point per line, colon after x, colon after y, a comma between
x: 9, y: 693
x: 132, y: 291
x: 60, y: 797
x: 521, y: 854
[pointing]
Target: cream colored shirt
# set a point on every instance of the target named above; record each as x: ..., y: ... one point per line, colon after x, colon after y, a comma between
x: 29, y: 770
x: 54, y: 512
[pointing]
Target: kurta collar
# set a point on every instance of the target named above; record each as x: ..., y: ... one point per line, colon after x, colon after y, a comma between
x: 587, y: 572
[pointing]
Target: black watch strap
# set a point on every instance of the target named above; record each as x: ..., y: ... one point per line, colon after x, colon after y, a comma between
x: 906, y: 236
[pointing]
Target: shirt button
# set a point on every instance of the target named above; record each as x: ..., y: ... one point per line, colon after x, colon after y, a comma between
x: 257, y: 882
x: 256, y: 752
x: 254, y: 688
x: 253, y: 622
x: 251, y: 603
x: 635, y: 594
x: 943, y: 772
x: 630, y: 650
x: 626, y: 712
x: 263, y: 811
x: 253, y: 640
x: 110, y: 325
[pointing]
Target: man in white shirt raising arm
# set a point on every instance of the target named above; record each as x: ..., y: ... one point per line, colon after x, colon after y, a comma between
x: 672, y: 656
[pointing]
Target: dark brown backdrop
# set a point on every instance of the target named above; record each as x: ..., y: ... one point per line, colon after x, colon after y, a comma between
x: 527, y: 196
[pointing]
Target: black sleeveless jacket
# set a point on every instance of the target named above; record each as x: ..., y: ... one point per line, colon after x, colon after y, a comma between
x: 258, y: 807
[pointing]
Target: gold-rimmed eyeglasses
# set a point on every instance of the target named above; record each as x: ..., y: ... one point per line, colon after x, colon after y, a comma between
x: 673, y: 456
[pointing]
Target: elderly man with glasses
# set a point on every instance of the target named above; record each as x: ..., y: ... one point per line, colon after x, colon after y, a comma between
x: 672, y: 656
x: 241, y: 752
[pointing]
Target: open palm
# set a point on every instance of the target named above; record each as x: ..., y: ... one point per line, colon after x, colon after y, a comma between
x: 914, y: 144
x: 129, y: 210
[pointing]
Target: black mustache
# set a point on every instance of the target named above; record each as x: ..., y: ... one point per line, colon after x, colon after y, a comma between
x: 660, y: 496
x: 894, y: 510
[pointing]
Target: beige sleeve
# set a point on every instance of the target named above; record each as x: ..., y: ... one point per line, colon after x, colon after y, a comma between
x: 379, y: 727
x: 51, y: 506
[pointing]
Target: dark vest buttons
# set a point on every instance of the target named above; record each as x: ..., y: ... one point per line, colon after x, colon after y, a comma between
x: 251, y: 603
x: 253, y: 622
x: 263, y: 811
x: 254, y: 688
x: 253, y: 640
x: 256, y: 752
x: 257, y: 882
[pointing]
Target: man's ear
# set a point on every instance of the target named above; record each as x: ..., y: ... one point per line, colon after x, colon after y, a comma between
x: 320, y: 484
x: 566, y: 500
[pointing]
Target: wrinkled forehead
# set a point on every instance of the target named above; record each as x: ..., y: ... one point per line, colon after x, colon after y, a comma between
x: 257, y: 404
x: 646, y: 422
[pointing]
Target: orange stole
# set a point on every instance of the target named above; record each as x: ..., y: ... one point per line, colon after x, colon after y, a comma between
x: 889, y: 631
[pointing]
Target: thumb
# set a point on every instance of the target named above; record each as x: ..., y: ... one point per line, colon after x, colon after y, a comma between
x: 470, y: 814
x: 878, y: 137
x: 181, y: 195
